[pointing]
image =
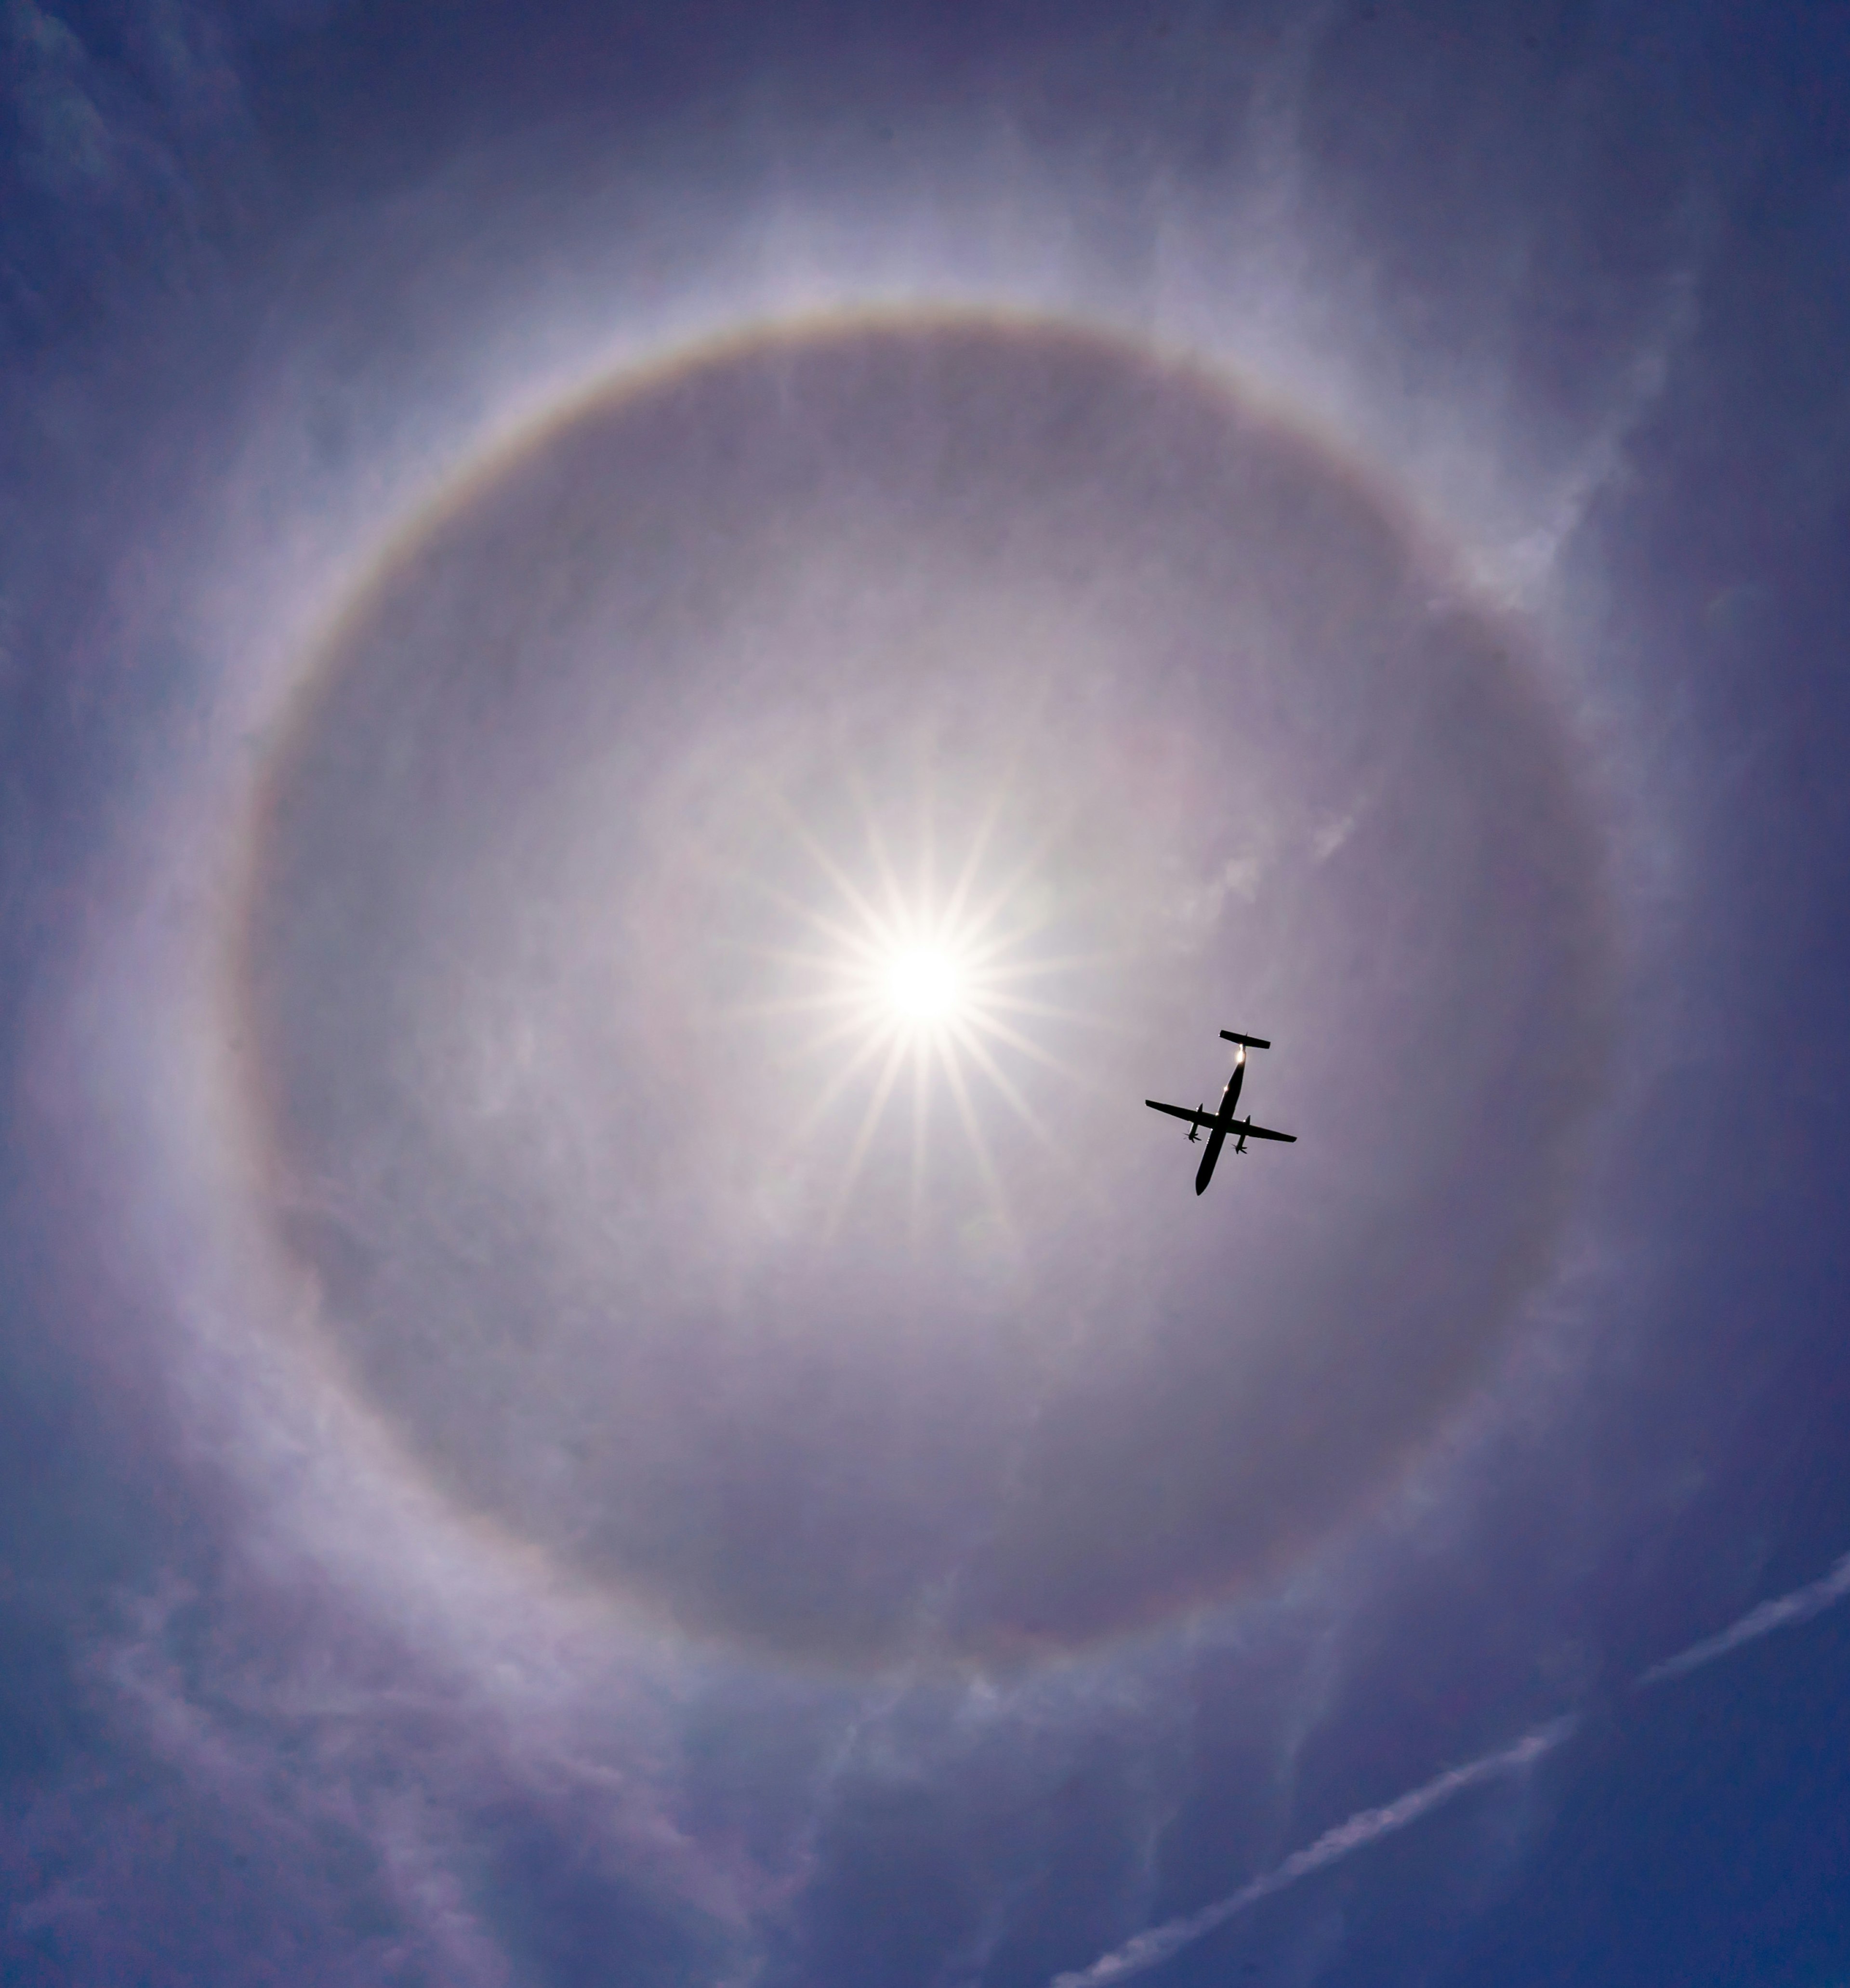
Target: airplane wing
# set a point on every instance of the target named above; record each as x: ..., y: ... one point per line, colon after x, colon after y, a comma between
x: 1240, y: 1130
x: 1191, y: 1117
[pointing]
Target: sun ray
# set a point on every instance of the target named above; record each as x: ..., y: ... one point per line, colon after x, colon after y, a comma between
x: 877, y: 1105
x: 1001, y: 943
x: 1016, y: 1040
x: 869, y: 937
x: 921, y: 1107
x: 860, y: 1023
x: 979, y: 1147
x: 877, y: 849
x: 851, y: 894
x: 927, y: 836
x: 1065, y: 963
x: 819, y: 1110
x: 1010, y: 886
x: 973, y: 1046
x: 1049, y: 1011
x: 979, y: 843
x: 797, y: 1004
x: 868, y: 942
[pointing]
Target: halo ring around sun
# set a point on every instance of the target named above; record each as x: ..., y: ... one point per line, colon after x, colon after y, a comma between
x: 725, y: 892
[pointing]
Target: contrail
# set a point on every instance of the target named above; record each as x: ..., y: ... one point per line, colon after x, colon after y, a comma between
x: 1368, y: 1825
x: 1150, y: 1949
x: 1800, y: 1606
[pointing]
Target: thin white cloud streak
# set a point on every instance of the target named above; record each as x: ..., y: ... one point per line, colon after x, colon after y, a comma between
x: 1151, y: 1948
x: 1782, y: 1613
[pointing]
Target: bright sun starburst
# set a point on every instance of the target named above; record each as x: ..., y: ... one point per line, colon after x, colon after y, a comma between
x: 926, y: 983
x: 916, y: 991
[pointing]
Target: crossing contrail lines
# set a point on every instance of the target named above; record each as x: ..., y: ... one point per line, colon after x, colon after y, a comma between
x: 1153, y: 1948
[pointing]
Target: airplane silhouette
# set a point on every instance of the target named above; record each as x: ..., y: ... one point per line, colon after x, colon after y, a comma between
x: 1219, y: 1124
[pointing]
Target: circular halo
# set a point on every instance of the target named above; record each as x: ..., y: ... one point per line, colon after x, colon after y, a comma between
x: 611, y: 1216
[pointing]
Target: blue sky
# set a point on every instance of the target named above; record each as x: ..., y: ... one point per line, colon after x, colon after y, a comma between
x: 552, y: 1432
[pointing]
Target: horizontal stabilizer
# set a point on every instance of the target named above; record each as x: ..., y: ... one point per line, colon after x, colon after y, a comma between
x: 1182, y: 1111
x: 1251, y: 1041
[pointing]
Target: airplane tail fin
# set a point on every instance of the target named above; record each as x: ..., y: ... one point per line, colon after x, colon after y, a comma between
x: 1251, y: 1041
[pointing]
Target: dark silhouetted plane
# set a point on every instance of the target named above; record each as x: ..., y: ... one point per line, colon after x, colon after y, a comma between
x: 1217, y: 1124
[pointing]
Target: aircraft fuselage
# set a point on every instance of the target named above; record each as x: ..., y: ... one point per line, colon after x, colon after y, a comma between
x: 1223, y: 1120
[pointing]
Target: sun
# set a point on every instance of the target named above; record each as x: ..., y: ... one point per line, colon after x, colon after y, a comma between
x: 926, y: 983
x: 901, y: 984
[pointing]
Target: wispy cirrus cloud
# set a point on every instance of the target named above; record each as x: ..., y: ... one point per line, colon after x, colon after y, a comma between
x: 1150, y: 1948
x: 1368, y: 1825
